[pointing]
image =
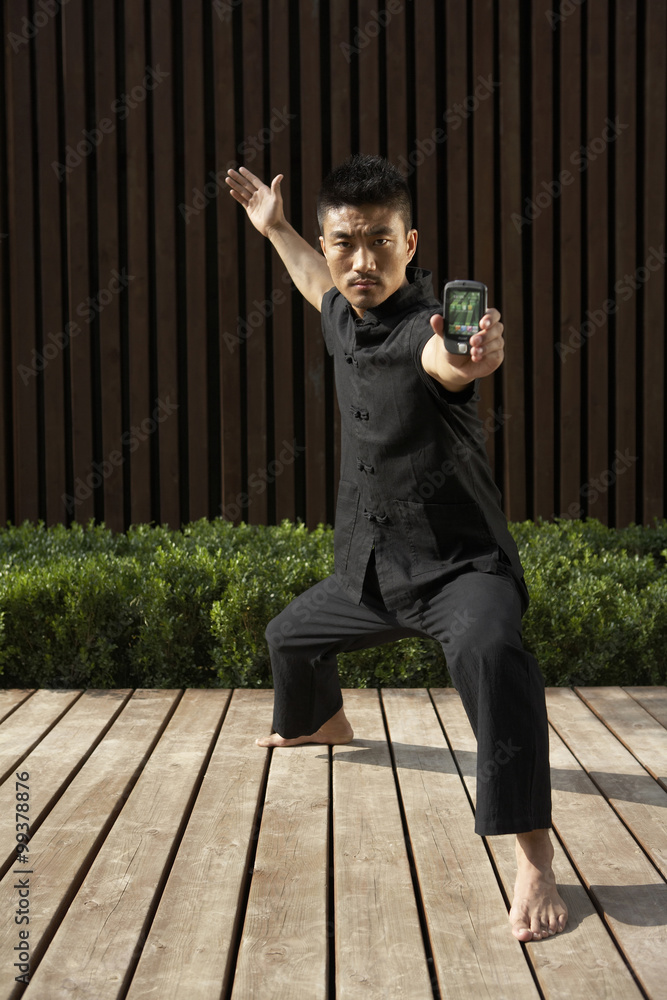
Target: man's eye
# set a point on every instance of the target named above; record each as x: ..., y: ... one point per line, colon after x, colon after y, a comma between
x: 381, y: 241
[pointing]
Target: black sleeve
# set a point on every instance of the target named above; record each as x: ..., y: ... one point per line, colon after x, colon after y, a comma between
x: 330, y: 308
x: 420, y: 333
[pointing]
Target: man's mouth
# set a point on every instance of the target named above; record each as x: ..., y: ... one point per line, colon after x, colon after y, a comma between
x: 364, y: 283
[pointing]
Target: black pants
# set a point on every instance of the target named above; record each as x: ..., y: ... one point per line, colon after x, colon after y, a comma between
x: 477, y: 619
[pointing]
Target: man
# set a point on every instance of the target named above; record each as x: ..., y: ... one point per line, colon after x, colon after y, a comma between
x: 421, y: 543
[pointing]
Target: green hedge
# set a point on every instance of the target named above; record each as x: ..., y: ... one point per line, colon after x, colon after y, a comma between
x: 157, y: 607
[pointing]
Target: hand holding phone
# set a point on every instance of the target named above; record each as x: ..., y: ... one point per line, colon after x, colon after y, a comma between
x: 464, y: 304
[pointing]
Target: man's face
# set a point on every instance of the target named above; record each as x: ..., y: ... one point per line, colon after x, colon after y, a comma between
x: 367, y: 250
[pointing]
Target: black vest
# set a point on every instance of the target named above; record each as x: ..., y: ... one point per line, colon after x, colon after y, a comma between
x: 415, y: 481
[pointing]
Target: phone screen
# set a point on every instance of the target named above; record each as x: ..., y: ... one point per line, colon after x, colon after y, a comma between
x: 464, y: 312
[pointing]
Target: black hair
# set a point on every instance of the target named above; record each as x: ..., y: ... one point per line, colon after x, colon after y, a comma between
x: 365, y: 179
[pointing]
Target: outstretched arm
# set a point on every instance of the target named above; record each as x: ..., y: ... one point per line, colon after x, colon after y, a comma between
x: 455, y: 371
x: 307, y: 267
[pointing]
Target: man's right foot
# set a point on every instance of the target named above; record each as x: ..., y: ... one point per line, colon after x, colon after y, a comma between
x: 336, y: 730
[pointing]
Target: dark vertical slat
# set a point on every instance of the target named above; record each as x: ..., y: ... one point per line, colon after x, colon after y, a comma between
x: 368, y: 96
x: 164, y: 264
x: 597, y: 257
x: 541, y: 420
x: 141, y: 406
x: 313, y: 343
x: 482, y: 181
x: 21, y: 220
x: 512, y: 278
x: 625, y: 202
x: 569, y: 203
x: 106, y: 157
x: 655, y: 171
x: 253, y: 122
x: 230, y: 345
x: 341, y: 99
x: 283, y: 382
x: 51, y: 270
x: 395, y: 85
x: 6, y: 470
x: 426, y: 68
x: 457, y: 145
x: 340, y: 57
x: 78, y: 266
x: 195, y: 261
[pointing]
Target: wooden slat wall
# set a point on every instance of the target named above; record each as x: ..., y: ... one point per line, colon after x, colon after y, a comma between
x: 192, y: 380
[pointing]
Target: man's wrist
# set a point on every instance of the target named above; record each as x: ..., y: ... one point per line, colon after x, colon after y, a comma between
x: 452, y: 380
x: 278, y: 231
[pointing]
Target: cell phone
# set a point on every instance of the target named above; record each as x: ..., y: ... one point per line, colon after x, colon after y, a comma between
x: 464, y: 304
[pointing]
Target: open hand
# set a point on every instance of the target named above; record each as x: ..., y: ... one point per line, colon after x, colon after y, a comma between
x: 263, y: 204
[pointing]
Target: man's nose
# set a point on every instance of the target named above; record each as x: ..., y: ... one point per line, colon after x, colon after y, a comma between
x: 363, y: 259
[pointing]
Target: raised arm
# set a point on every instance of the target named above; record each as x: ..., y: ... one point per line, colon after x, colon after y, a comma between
x: 264, y: 205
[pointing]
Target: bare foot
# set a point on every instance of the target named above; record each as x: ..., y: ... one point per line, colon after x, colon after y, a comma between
x: 537, y: 910
x: 336, y: 730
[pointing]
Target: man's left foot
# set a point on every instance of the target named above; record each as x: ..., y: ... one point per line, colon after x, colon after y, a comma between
x: 537, y: 910
x: 337, y: 730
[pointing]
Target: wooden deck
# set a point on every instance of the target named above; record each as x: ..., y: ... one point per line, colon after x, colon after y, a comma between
x: 170, y: 857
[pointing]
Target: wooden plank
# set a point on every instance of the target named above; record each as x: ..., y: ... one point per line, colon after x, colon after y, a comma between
x: 228, y: 270
x: 379, y: 946
x: 96, y: 945
x: 626, y: 211
x: 426, y: 156
x: 582, y: 961
x: 483, y: 179
x: 635, y: 795
x: 31, y: 721
x: 25, y: 357
x: 544, y: 358
x: 189, y: 948
x: 56, y: 758
x: 283, y: 950
x: 254, y: 511
x: 632, y: 725
x: 340, y: 34
x: 340, y: 139
x: 6, y: 456
x: 51, y: 271
x: 139, y: 195
x: 108, y: 316
x: 368, y: 64
x: 456, y: 148
x: 284, y: 400
x: 75, y: 87
x: 597, y: 344
x: 653, y: 699
x: 165, y: 264
x: 67, y: 840
x: 314, y: 348
x: 629, y: 892
x: 474, y: 952
x: 195, y: 262
x: 11, y: 698
x: 654, y: 166
x: 395, y: 79
x: 511, y: 304
x: 567, y: 205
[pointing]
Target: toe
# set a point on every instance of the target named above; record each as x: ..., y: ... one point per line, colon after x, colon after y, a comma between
x: 536, y: 928
x: 521, y: 926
